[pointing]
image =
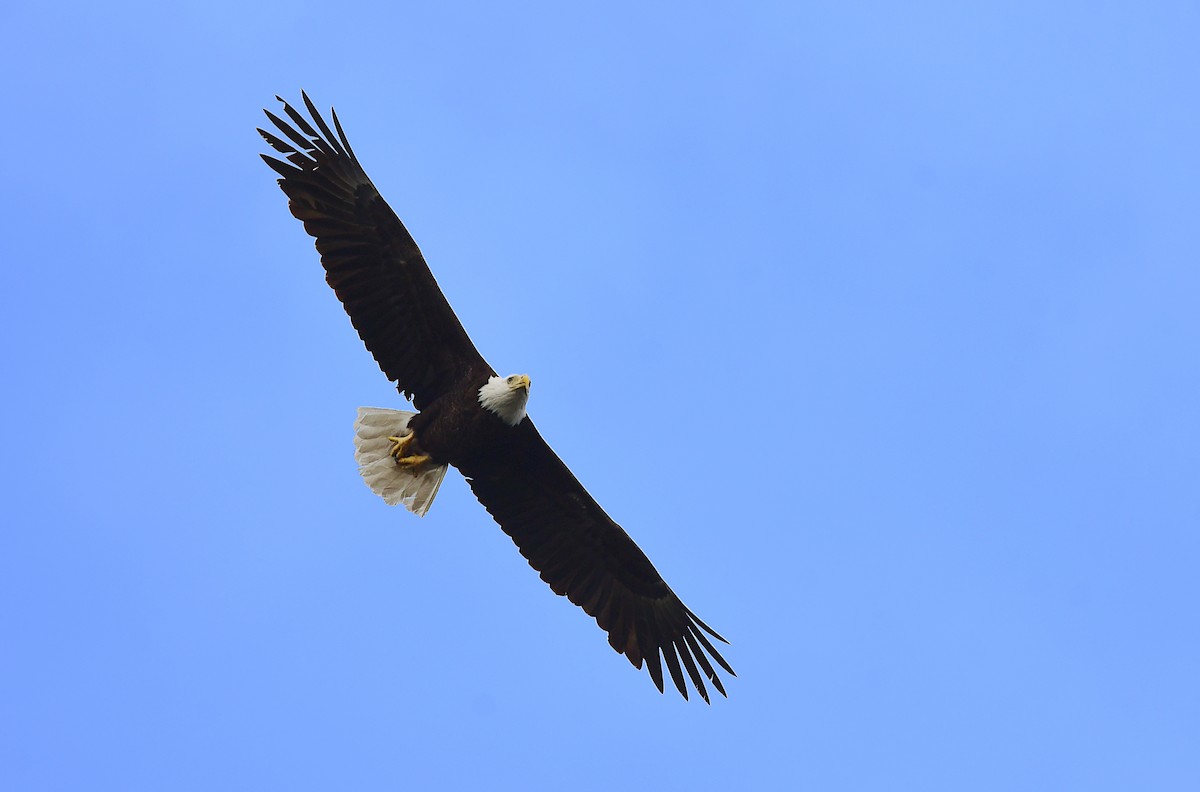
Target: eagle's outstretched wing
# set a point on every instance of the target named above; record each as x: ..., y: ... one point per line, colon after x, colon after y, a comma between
x: 370, y: 259
x: 583, y: 554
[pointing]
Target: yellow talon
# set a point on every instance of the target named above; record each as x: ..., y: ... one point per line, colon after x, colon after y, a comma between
x: 400, y: 445
x: 400, y: 448
x: 412, y: 461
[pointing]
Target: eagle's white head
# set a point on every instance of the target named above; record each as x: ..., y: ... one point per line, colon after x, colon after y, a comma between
x: 506, y: 397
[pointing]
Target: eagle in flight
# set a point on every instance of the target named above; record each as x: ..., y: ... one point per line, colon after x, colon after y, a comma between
x: 468, y: 416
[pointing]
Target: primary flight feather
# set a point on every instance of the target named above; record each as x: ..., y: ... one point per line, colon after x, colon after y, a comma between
x: 469, y: 417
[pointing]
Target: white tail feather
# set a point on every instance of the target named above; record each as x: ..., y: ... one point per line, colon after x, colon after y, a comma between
x: 412, y: 488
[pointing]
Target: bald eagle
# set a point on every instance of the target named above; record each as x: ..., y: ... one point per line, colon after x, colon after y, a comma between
x: 468, y: 417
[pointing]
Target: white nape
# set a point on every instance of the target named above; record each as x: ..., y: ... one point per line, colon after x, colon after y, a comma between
x: 506, y: 397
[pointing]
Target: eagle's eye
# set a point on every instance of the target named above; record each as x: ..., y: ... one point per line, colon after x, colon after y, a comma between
x: 512, y: 379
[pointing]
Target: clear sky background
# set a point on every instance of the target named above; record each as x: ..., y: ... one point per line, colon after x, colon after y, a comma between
x: 875, y: 324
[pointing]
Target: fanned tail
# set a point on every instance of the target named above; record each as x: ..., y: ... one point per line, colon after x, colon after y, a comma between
x: 414, y: 488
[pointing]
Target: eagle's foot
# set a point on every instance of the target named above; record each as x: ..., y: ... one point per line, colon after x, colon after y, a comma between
x: 401, y: 444
x: 400, y: 451
x: 414, y: 461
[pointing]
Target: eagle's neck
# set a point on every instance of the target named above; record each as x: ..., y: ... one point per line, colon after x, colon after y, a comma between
x: 506, y: 402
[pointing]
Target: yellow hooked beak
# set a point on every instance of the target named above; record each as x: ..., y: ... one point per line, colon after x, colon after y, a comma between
x: 520, y: 381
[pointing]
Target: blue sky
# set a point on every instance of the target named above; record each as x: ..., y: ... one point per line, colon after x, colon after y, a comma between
x: 877, y: 328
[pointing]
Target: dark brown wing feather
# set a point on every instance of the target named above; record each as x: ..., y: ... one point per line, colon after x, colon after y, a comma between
x: 584, y: 555
x: 370, y: 259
